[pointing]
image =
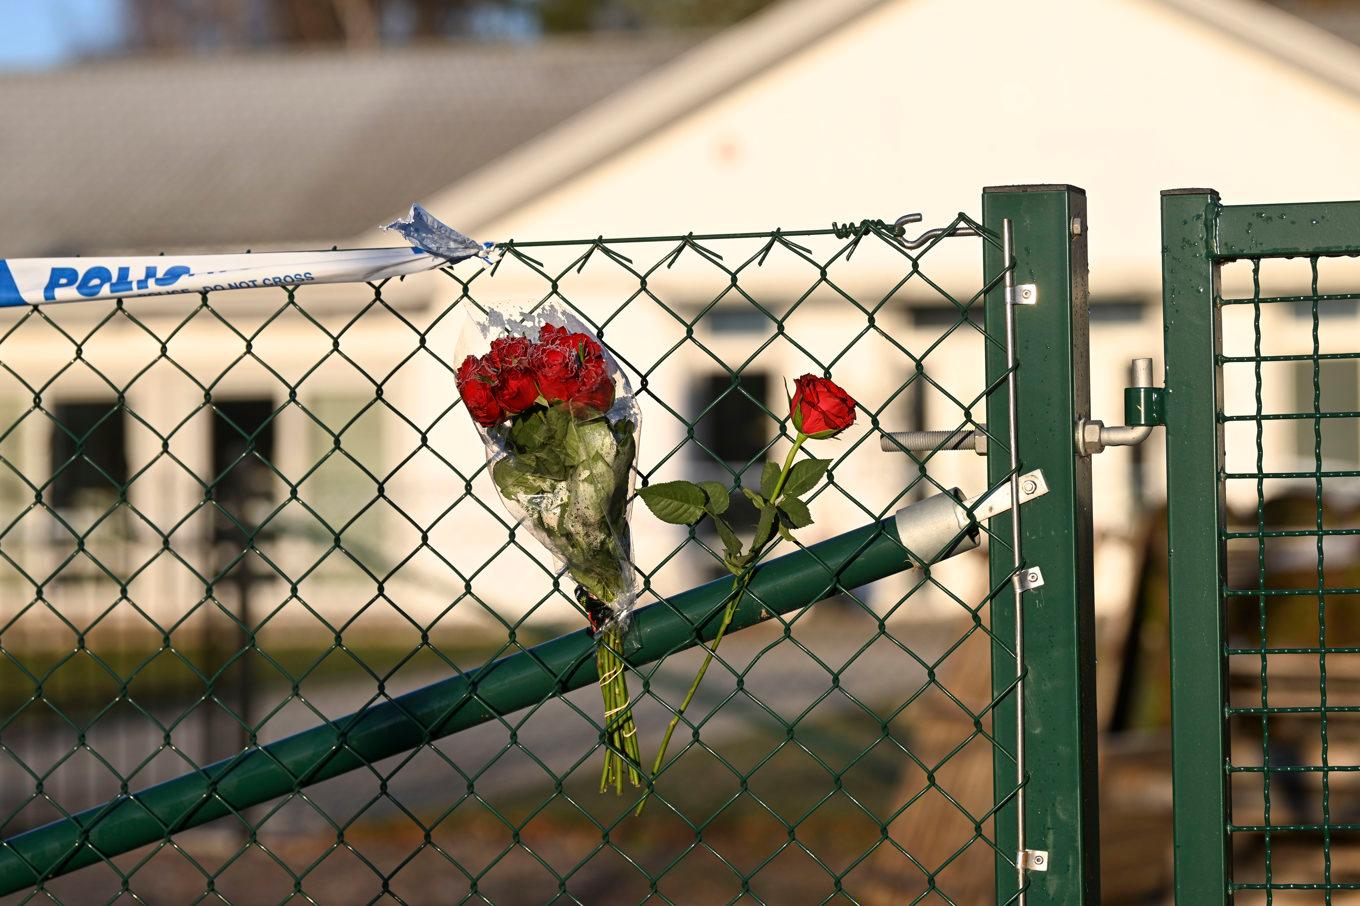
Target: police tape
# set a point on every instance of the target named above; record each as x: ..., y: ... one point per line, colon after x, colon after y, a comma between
x: 37, y: 281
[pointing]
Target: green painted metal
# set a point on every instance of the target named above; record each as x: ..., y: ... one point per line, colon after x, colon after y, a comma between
x: 1235, y: 745
x: 1194, y: 461
x: 1062, y: 810
x: 1144, y: 406
x: 1285, y: 230
x: 503, y: 687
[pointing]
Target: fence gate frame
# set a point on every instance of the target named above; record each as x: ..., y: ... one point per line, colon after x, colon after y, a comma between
x: 1062, y: 813
x: 1199, y: 233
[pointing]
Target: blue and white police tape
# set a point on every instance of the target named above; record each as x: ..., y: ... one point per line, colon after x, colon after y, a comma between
x: 35, y: 281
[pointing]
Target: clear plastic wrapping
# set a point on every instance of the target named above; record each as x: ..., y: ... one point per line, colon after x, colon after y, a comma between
x: 560, y: 425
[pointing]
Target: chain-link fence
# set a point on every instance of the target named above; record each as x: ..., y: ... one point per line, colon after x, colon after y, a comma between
x: 225, y: 521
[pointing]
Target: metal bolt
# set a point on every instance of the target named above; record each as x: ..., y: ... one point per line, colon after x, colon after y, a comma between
x: 1032, y: 577
x: 1029, y: 486
x: 1039, y: 859
x: 1026, y: 293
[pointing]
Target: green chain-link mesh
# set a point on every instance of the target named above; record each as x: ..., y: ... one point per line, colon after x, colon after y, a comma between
x: 225, y: 521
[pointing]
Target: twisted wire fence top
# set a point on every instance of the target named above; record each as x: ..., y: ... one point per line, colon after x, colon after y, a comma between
x: 225, y: 519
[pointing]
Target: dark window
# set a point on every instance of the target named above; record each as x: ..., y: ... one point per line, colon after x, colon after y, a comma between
x: 1326, y: 309
x: 943, y: 316
x: 1118, y: 310
x: 89, y: 454
x: 1338, y: 391
x: 242, y: 445
x: 738, y: 319
x: 737, y: 427
x: 734, y: 432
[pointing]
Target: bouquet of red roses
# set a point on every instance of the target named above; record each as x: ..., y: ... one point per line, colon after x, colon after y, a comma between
x: 560, y: 427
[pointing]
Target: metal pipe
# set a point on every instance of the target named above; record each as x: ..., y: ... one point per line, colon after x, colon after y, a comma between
x: 262, y: 773
x: 1013, y: 440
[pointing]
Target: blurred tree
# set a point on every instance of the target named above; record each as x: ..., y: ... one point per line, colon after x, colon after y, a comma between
x: 179, y: 26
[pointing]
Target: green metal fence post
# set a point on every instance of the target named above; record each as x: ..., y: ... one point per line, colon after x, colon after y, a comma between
x: 1062, y: 811
x: 1194, y: 462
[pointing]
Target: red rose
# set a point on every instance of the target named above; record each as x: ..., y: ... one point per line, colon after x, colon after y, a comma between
x: 556, y: 367
x: 587, y: 347
x: 820, y: 409
x: 595, y: 389
x: 510, y: 352
x: 476, y: 381
x: 515, y: 390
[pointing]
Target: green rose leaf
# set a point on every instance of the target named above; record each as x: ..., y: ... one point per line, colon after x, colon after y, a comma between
x: 754, y: 498
x: 786, y: 534
x: 676, y: 502
x: 764, y: 528
x: 718, y: 498
x: 731, y: 543
x: 795, y: 512
x: 804, y: 476
x: 769, y: 478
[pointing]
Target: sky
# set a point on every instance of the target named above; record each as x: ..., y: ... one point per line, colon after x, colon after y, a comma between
x: 36, y: 34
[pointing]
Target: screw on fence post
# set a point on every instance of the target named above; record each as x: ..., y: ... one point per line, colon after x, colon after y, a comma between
x: 1059, y: 731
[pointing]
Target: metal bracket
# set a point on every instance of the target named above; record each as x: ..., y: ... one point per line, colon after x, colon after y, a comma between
x: 1022, y: 294
x: 998, y: 500
x: 1032, y: 859
x: 1030, y: 577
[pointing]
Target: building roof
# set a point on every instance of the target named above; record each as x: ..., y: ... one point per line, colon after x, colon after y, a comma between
x: 159, y: 154
x: 778, y: 34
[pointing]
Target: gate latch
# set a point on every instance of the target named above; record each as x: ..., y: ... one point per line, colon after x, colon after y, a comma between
x: 1143, y: 410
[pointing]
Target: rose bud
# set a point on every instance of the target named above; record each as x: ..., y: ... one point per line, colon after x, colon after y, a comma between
x: 820, y: 409
x: 476, y: 384
x: 595, y: 391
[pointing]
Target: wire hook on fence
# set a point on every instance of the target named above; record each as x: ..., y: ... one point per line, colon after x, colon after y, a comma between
x: 954, y: 229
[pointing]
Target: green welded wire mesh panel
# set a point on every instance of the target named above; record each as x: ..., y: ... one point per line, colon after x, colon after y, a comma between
x: 229, y: 518
x: 1286, y: 298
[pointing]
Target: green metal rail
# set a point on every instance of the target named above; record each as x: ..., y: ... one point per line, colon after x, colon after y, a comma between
x: 258, y: 775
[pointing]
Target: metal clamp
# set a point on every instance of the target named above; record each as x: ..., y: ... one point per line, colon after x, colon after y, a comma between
x: 1142, y: 408
x: 1032, y: 859
x: 946, y: 524
x: 1030, y: 578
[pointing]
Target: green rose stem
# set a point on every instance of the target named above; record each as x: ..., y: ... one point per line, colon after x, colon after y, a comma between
x: 622, y: 752
x: 740, y: 581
